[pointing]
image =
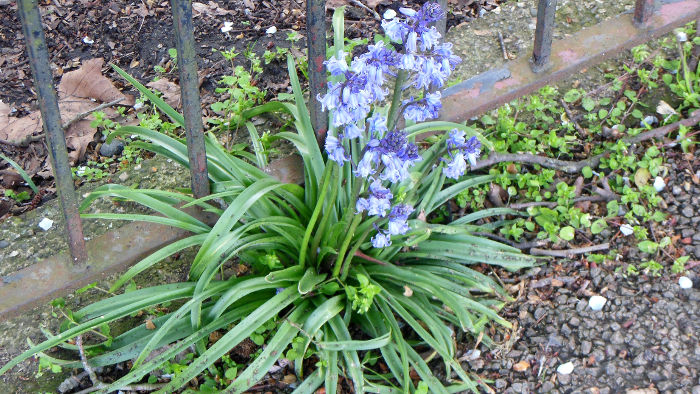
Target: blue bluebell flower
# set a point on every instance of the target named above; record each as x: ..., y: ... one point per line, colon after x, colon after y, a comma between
x: 459, y: 149
x: 381, y: 240
x: 352, y: 131
x: 398, y: 219
x: 335, y: 150
x: 379, y: 201
x: 455, y: 167
x: 426, y: 108
x: 337, y: 65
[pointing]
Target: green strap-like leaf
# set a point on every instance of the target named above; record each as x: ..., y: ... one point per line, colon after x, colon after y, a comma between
x: 159, y: 102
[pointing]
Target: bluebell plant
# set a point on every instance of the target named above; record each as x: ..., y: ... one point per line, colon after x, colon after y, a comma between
x: 349, y: 266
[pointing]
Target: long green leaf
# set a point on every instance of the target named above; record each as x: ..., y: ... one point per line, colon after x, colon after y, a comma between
x: 233, y: 337
x: 274, y: 350
x: 159, y: 102
x: 21, y: 172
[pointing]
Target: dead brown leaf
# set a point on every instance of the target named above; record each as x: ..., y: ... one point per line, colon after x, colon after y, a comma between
x: 88, y: 82
x: 150, y: 325
x: 79, y: 91
x: 521, y: 366
x: 209, y: 9
x: 170, y: 90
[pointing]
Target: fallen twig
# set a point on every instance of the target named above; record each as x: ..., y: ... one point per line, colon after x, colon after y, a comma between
x: 24, y: 142
x: 371, y: 11
x: 581, y: 131
x: 518, y: 245
x: 503, y: 46
x: 569, y: 252
x: 573, y: 167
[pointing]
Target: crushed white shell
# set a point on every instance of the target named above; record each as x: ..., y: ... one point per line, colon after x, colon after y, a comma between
x: 271, y: 30
x: 45, y: 224
x: 685, y: 283
x: 626, y: 229
x: 566, y: 368
x: 659, y: 184
x: 597, y: 302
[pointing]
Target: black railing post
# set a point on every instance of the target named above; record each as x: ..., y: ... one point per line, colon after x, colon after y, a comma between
x: 51, y: 119
x: 643, y: 9
x: 543, y: 35
x: 316, y: 42
x: 189, y: 86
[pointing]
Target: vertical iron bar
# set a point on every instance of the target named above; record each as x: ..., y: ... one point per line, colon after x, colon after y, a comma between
x: 643, y: 9
x: 51, y: 119
x: 316, y: 42
x: 543, y: 35
x: 189, y: 86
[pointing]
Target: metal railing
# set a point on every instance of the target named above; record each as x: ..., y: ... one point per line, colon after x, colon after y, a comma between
x: 187, y: 65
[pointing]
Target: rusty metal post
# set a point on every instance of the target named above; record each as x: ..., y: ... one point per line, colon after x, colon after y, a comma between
x: 543, y: 35
x: 316, y: 42
x: 189, y: 86
x: 51, y: 119
x: 643, y: 9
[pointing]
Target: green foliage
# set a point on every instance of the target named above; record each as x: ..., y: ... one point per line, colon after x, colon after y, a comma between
x: 315, y: 273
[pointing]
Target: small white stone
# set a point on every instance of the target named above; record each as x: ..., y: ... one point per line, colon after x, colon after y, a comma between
x: 88, y: 40
x: 648, y: 120
x: 472, y: 355
x: 659, y: 184
x: 626, y: 229
x: 271, y: 30
x: 681, y: 36
x: 14, y: 253
x: 228, y: 26
x: 123, y: 176
x: 566, y: 368
x: 138, y: 105
x: 389, y: 14
x: 685, y: 283
x: 597, y: 302
x: 45, y: 224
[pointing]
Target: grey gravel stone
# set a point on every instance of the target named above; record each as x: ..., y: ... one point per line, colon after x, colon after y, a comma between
x: 4, y: 244
x: 113, y: 148
x: 586, y: 347
x: 548, y: 386
x: 500, y: 384
x: 687, y: 211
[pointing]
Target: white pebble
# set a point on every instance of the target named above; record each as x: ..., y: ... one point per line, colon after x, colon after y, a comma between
x: 626, y: 229
x: 649, y: 120
x: 88, y: 40
x: 45, y: 224
x: 228, y: 26
x: 389, y: 14
x: 685, y: 283
x: 597, y: 302
x: 566, y: 368
x: 659, y: 184
x: 681, y: 36
x: 271, y: 30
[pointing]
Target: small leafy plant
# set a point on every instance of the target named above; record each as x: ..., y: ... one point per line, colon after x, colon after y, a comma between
x: 347, y: 267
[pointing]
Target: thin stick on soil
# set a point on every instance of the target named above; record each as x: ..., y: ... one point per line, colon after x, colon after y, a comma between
x: 569, y: 252
x: 581, y: 131
x: 573, y: 167
x: 24, y: 142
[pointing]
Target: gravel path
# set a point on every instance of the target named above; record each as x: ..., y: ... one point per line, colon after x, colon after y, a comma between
x: 646, y: 339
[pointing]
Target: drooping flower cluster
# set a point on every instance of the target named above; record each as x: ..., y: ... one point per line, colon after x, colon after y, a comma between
x: 459, y: 149
x: 356, y: 87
